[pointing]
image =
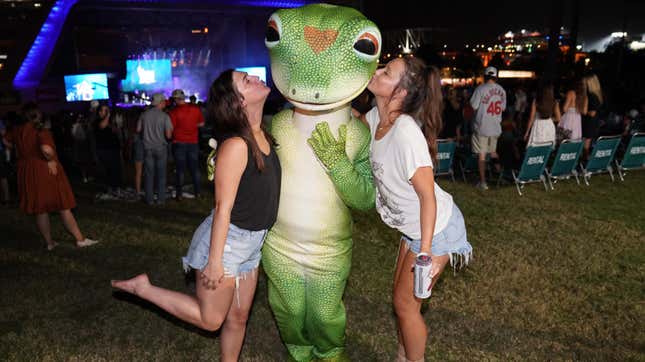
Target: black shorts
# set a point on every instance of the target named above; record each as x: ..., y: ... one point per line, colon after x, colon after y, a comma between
x: 590, y: 127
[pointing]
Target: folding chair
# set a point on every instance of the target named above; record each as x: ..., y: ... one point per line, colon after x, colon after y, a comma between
x: 634, y: 157
x: 565, y: 162
x: 602, y: 156
x: 445, y: 156
x: 532, y: 169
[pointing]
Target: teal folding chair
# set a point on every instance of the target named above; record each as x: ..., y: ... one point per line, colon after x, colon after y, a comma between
x: 532, y: 169
x: 445, y: 157
x: 634, y: 157
x: 602, y: 156
x: 565, y: 162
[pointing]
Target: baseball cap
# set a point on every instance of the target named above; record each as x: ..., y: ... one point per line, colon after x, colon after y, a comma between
x: 490, y: 72
x: 157, y: 98
x: 178, y: 93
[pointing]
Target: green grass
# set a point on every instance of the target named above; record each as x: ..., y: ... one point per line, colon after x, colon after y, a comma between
x: 556, y: 276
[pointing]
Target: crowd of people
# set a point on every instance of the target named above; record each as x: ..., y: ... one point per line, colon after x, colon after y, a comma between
x: 496, y: 121
x: 113, y: 148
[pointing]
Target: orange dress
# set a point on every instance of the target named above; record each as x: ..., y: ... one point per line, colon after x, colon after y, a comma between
x: 39, y: 191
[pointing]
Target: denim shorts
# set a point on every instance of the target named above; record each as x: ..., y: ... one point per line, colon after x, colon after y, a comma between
x: 451, y: 240
x: 242, y: 250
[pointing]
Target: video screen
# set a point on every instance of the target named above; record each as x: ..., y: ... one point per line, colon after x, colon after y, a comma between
x: 86, y: 87
x: 148, y: 75
x: 261, y: 72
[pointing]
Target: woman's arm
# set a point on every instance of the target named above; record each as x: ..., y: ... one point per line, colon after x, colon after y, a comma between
x: 556, y: 113
x: 423, y: 183
x: 231, y: 161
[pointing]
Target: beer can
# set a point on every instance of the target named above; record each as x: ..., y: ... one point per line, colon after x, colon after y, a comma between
x: 422, y: 276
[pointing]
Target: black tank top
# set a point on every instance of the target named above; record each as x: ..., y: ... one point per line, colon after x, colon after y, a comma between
x: 256, y: 202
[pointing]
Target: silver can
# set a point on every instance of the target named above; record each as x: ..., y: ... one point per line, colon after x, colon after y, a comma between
x: 422, y: 276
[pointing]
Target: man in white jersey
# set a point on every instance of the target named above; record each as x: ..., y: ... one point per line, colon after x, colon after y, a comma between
x: 489, y: 101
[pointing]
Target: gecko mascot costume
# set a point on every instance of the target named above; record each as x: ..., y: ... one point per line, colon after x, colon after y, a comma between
x: 322, y: 57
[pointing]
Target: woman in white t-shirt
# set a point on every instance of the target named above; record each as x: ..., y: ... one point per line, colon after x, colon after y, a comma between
x: 404, y: 127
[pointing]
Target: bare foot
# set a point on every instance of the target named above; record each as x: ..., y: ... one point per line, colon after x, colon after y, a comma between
x: 134, y: 285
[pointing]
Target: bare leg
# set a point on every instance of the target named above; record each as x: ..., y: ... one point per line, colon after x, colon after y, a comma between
x: 70, y: 224
x: 234, y: 328
x: 482, y: 167
x: 408, y: 308
x: 585, y: 150
x: 206, y: 311
x: 403, y: 250
x: 42, y: 221
x: 138, y: 171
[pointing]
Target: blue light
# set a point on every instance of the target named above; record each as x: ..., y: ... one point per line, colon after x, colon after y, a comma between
x: 33, y: 67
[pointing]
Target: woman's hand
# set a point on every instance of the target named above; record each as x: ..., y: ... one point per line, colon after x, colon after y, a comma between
x: 435, y: 269
x: 53, y: 167
x: 212, y: 275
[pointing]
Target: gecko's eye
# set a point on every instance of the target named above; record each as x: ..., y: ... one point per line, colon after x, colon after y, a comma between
x: 273, y: 31
x: 368, y: 45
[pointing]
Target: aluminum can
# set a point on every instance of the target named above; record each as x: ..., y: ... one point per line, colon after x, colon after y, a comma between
x: 422, y: 276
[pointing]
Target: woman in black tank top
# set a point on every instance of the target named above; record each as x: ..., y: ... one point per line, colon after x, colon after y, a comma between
x: 225, y: 250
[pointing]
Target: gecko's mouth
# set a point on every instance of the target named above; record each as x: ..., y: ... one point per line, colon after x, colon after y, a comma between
x: 325, y: 106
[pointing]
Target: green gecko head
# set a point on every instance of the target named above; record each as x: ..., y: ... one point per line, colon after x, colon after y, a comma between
x: 322, y: 56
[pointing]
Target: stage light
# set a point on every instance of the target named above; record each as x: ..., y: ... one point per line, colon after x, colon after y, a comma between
x: 205, y: 30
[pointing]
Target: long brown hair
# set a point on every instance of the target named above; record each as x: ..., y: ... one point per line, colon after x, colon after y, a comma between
x: 424, y: 99
x: 545, y: 101
x: 227, y: 114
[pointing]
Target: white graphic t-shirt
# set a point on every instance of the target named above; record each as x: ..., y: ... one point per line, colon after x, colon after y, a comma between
x: 395, y: 158
x: 489, y: 100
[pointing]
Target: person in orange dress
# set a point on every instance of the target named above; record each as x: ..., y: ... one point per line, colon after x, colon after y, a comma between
x: 42, y: 184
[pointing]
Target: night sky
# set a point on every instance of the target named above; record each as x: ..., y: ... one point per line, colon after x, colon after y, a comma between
x: 467, y: 22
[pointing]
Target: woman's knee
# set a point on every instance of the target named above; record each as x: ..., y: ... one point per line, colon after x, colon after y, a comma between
x: 237, y: 316
x: 405, y: 303
x: 212, y: 323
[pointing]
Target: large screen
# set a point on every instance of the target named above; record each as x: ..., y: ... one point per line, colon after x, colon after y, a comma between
x: 86, y: 87
x: 148, y: 75
x: 261, y: 72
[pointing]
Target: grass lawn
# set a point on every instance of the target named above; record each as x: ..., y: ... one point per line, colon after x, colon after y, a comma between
x: 557, y: 275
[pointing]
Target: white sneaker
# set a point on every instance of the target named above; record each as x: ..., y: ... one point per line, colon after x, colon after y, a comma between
x: 86, y: 242
x: 482, y: 186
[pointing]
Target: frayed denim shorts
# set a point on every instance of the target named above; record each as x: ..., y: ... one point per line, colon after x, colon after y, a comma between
x: 451, y: 240
x: 242, y: 250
